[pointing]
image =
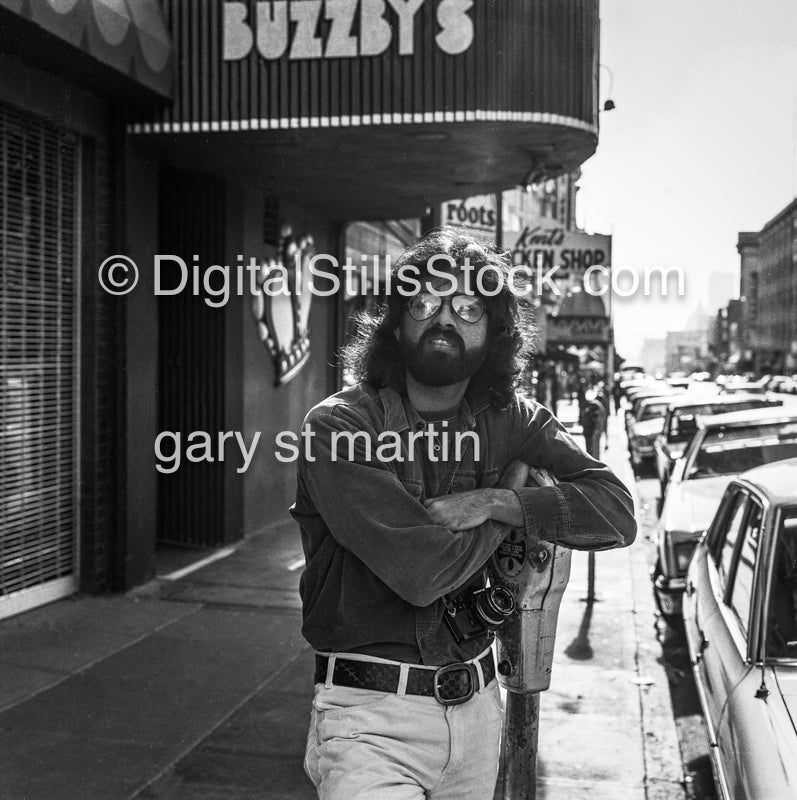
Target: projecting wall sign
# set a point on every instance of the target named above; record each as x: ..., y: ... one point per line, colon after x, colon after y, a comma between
x: 473, y: 215
x: 545, y: 244
x: 578, y: 330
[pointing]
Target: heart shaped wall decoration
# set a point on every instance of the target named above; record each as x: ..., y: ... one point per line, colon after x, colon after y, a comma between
x: 282, y: 305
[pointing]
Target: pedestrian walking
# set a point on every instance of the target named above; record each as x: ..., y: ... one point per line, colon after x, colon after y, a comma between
x: 398, y: 522
x: 617, y: 394
x: 604, y: 396
x: 592, y: 419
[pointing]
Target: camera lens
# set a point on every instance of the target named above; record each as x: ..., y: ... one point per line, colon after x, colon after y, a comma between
x: 495, y: 604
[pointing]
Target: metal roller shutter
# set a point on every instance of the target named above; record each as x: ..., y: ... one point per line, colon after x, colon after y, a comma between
x: 39, y: 235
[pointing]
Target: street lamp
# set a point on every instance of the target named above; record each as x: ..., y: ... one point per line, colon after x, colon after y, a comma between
x: 609, y: 104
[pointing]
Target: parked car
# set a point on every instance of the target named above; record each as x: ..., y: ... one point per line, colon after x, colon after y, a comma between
x: 780, y: 383
x: 679, y: 425
x: 629, y: 372
x: 647, y: 389
x: 629, y: 383
x: 635, y: 399
x: 740, y: 620
x: 743, y: 388
x: 723, y: 447
x: 681, y: 382
x: 644, y: 425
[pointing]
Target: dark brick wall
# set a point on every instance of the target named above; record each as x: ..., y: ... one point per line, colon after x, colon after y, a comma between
x: 101, y: 371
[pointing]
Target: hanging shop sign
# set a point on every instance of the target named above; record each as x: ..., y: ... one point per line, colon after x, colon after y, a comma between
x: 558, y: 258
x: 582, y: 331
x: 474, y: 215
x: 282, y: 305
x: 545, y: 244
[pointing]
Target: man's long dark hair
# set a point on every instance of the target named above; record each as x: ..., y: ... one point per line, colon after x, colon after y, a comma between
x: 374, y: 354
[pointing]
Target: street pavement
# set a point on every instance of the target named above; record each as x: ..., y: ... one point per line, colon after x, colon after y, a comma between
x: 197, y: 686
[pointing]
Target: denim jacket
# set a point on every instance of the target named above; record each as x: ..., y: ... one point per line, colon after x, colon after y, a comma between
x: 377, y: 565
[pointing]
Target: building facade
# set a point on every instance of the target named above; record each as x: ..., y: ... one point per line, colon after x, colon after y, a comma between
x: 65, y: 71
x: 687, y: 351
x: 213, y: 149
x: 725, y: 345
x: 768, y: 291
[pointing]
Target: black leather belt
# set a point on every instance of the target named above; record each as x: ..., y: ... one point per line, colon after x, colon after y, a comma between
x: 449, y: 685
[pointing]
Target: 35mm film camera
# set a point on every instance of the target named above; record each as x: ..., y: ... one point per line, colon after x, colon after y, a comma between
x: 476, y: 611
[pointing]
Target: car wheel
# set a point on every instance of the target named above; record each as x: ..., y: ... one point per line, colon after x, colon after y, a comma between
x: 673, y: 620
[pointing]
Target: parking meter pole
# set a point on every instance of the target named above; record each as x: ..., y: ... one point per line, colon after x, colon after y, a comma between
x: 521, y: 732
x: 590, y: 578
x: 537, y: 573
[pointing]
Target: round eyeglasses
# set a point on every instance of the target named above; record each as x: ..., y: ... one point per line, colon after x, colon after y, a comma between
x: 425, y: 305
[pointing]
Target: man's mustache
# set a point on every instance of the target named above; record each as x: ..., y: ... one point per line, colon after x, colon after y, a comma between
x: 437, y: 332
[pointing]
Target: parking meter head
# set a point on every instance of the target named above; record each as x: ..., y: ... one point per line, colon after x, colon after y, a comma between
x: 536, y: 573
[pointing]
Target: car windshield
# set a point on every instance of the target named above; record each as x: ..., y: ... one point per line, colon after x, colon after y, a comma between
x: 734, y: 450
x: 781, y: 637
x: 654, y: 411
x: 682, y: 423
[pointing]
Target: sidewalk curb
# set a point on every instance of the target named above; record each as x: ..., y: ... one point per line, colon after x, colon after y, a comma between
x: 664, y: 777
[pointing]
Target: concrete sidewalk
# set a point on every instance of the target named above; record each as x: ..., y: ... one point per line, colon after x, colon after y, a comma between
x: 199, y: 688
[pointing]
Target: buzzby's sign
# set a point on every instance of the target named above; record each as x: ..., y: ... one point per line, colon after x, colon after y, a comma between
x: 351, y: 28
x: 290, y: 64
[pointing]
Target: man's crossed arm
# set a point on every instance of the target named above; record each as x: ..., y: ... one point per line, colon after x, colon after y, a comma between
x: 465, y: 510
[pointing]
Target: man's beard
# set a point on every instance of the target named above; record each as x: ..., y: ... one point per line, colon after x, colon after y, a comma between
x: 439, y: 367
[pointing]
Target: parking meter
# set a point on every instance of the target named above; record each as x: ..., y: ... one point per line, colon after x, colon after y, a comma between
x: 537, y: 574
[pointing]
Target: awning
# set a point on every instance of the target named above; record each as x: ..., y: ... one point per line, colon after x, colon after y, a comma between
x: 130, y: 36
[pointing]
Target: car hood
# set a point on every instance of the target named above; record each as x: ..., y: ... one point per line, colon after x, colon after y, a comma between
x: 648, y: 427
x: 690, y: 505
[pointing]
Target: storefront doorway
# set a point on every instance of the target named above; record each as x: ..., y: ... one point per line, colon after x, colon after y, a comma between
x: 39, y: 362
x: 192, y: 364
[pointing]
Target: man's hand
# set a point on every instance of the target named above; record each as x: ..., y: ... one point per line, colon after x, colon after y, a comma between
x: 460, y: 511
x: 514, y: 476
x: 469, y: 509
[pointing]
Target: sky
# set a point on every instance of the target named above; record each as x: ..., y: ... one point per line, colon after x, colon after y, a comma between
x: 700, y: 146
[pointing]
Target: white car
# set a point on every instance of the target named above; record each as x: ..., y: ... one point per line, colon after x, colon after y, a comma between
x: 740, y: 620
x: 645, y: 427
x: 723, y: 447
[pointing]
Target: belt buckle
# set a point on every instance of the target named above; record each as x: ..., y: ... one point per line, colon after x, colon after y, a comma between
x: 445, y: 687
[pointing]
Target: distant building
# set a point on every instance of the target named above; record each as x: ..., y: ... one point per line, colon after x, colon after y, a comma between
x: 686, y: 351
x: 725, y: 340
x: 768, y: 287
x: 722, y: 287
x: 653, y: 356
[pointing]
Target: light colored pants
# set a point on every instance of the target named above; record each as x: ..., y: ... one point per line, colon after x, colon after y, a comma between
x: 366, y: 745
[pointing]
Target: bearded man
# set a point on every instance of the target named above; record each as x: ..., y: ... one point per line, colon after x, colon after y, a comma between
x: 406, y: 703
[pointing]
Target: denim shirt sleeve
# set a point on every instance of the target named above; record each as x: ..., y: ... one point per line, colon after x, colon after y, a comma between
x: 589, y: 508
x: 371, y: 514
